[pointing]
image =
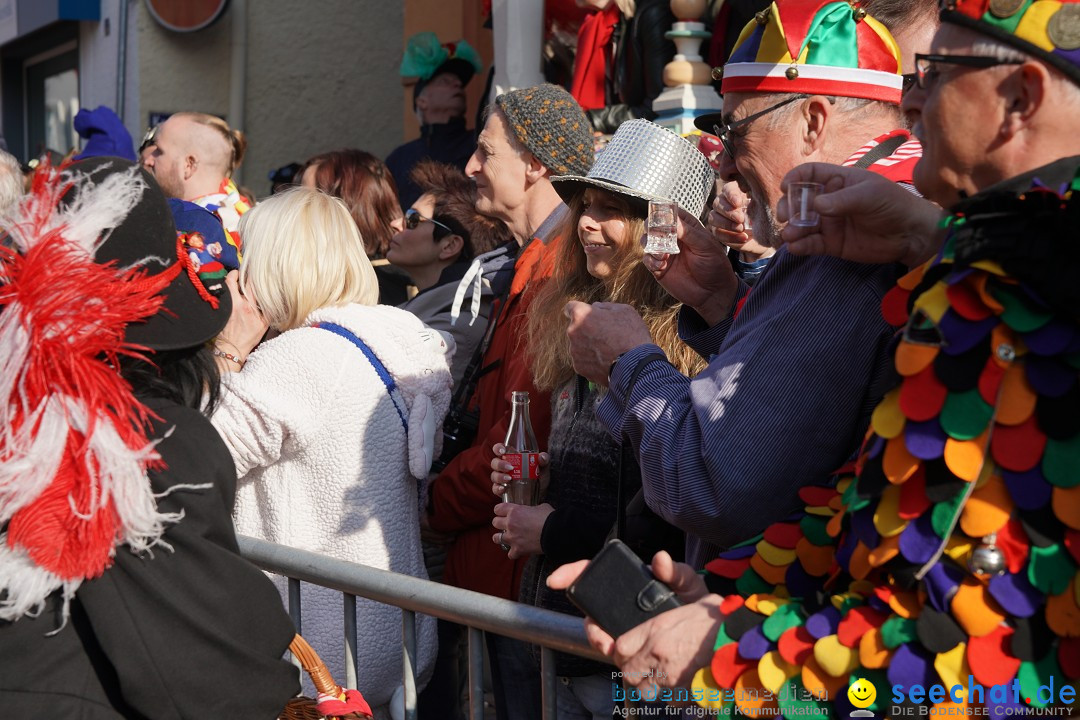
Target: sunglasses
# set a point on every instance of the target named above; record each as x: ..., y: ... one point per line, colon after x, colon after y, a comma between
x: 413, y: 218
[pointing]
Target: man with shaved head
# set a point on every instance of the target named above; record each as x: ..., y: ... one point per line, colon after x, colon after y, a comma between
x: 192, y: 156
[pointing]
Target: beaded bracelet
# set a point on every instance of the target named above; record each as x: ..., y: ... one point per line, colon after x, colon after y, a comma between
x: 227, y: 356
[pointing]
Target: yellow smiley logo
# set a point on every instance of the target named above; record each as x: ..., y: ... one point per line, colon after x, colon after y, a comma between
x: 862, y: 693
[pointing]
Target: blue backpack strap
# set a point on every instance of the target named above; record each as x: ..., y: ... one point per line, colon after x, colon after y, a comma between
x: 384, y: 375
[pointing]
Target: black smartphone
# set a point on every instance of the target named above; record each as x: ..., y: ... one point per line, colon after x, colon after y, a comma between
x: 619, y: 591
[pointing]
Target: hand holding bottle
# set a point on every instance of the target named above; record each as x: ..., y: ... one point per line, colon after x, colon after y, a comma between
x: 500, y: 471
x: 522, y: 455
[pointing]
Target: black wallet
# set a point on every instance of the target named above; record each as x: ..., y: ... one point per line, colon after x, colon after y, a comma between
x: 619, y: 591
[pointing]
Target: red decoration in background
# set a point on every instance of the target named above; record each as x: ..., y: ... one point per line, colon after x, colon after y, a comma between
x: 347, y: 703
x: 593, y: 55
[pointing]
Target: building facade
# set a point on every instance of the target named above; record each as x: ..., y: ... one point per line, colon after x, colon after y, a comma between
x: 299, y: 77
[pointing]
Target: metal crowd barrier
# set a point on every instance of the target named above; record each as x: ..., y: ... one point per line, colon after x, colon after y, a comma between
x: 480, y: 613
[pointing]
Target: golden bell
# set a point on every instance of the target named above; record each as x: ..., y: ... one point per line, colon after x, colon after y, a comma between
x: 718, y: 74
x: 762, y: 17
x: 859, y: 13
x: 792, y: 73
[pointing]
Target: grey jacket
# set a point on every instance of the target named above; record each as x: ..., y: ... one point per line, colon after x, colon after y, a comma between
x: 433, y: 307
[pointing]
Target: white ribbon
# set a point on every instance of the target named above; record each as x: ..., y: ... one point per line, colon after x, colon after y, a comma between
x: 474, y: 277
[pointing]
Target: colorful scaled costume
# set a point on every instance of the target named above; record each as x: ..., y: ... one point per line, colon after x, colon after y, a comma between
x: 950, y: 556
x: 228, y: 204
x: 211, y: 253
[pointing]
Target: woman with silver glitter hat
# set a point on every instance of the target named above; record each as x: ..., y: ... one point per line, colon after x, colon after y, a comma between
x: 600, y: 261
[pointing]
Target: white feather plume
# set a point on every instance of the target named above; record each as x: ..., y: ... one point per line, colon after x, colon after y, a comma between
x: 24, y: 585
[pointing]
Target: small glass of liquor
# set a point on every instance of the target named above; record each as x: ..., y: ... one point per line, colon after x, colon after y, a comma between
x: 800, y: 199
x: 523, y: 454
x: 662, y: 228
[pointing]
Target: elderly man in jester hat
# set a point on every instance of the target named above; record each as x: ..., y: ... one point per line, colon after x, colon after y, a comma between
x: 812, y: 80
x: 950, y: 556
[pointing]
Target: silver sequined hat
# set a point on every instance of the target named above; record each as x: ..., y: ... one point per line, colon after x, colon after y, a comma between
x: 647, y: 162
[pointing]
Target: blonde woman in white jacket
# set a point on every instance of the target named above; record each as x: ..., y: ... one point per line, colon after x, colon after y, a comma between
x: 333, y: 423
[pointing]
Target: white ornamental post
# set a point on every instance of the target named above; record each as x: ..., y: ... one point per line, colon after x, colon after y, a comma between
x: 519, y: 44
x: 688, y: 93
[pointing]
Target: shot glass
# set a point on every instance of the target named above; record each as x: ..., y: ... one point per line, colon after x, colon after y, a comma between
x: 662, y: 226
x: 800, y: 199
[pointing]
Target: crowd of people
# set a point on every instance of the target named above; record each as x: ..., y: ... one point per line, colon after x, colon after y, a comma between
x: 850, y: 447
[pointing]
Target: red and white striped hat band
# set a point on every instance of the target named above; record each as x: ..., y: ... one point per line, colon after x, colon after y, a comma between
x: 813, y: 80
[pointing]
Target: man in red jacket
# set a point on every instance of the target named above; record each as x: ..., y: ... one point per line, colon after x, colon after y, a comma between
x: 529, y: 136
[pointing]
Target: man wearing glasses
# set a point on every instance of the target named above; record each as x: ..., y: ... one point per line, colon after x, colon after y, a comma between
x: 912, y: 24
x: 797, y: 364
x: 993, y: 107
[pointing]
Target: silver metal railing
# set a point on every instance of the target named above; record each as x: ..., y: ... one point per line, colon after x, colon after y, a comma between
x: 480, y: 613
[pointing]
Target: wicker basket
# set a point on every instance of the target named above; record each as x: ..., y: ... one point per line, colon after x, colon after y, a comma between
x: 304, y: 708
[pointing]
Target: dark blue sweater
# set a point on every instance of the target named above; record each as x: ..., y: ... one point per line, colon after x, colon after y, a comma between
x: 450, y: 143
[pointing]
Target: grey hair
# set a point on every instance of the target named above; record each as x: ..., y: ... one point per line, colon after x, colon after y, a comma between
x: 843, y: 105
x: 896, y: 14
x: 998, y: 50
x: 11, y: 181
x: 1001, y: 51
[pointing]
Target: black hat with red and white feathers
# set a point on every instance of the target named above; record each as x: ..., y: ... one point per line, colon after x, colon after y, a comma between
x: 91, y: 271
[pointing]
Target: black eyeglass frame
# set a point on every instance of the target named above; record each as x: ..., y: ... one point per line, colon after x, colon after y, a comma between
x: 924, y: 63
x: 411, y: 224
x: 723, y: 131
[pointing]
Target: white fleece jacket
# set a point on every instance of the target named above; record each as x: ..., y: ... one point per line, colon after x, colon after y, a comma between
x: 323, y: 463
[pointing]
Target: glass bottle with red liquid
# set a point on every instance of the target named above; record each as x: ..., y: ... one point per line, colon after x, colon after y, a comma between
x: 523, y: 454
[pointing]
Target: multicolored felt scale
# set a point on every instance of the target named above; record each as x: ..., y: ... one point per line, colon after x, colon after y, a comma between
x: 951, y: 548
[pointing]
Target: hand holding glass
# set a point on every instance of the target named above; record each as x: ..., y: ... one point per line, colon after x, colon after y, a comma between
x: 662, y: 228
x: 800, y: 200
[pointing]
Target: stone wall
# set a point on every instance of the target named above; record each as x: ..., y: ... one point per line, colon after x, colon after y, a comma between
x: 321, y: 75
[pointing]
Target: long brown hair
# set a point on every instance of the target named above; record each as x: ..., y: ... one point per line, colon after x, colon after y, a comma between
x: 632, y: 284
x: 365, y: 184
